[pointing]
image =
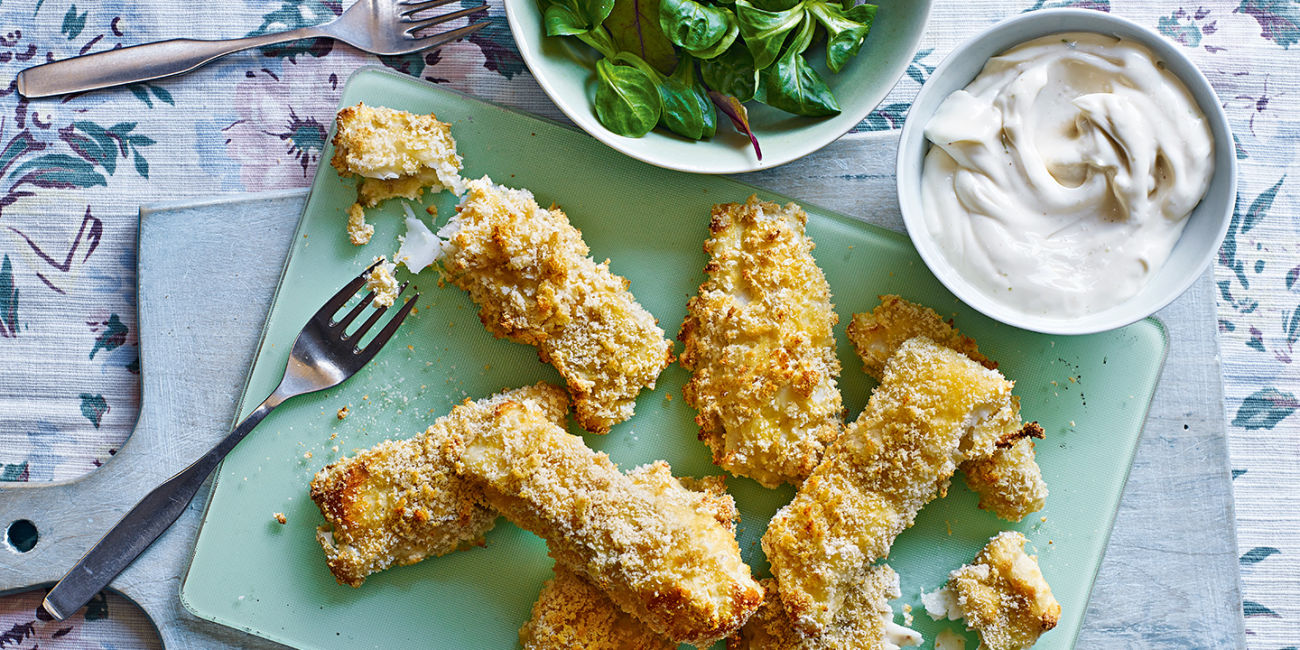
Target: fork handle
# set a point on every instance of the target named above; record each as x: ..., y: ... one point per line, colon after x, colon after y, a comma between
x: 153, y: 515
x: 138, y: 63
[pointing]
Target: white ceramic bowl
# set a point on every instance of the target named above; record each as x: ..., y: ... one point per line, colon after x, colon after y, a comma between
x: 565, y: 68
x: 1207, y: 224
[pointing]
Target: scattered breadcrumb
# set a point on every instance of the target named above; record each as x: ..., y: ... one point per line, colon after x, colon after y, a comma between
x: 534, y: 281
x: 359, y: 232
x: 343, y: 413
x: 306, y: 454
x: 760, y: 345
x: 280, y: 518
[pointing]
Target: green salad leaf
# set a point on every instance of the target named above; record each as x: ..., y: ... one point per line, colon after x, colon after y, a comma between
x: 692, y: 25
x: 574, y: 17
x: 681, y: 111
x: 685, y: 75
x: 845, y: 29
x: 627, y: 100
x: 733, y: 30
x: 794, y: 86
x: 764, y: 31
x: 679, y: 63
x: 731, y: 73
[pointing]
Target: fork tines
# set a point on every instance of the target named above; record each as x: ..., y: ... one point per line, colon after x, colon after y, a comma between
x: 409, y: 9
x: 338, y: 328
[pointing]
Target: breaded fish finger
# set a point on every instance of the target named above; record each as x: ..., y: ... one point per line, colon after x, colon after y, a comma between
x: 896, y: 457
x: 1009, y: 482
x: 400, y: 502
x: 866, y: 622
x: 572, y: 614
x: 529, y: 272
x: 657, y: 549
x: 396, y: 153
x: 760, y: 345
x: 1002, y: 594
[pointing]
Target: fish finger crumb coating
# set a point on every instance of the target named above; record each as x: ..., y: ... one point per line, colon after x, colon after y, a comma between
x: 400, y: 502
x: 877, y: 334
x: 1009, y: 482
x: 896, y: 457
x: 759, y: 342
x: 531, y: 275
x: 658, y: 550
x: 866, y: 622
x: 573, y: 614
x: 396, y: 153
x: 1002, y: 595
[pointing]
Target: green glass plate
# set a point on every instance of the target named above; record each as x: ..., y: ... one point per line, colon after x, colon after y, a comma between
x: 1090, y: 393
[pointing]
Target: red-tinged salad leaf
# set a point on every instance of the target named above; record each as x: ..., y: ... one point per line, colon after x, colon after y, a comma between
x: 735, y: 111
x: 634, y: 27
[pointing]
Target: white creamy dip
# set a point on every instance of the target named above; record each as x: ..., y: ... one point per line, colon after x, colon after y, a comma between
x: 1062, y: 176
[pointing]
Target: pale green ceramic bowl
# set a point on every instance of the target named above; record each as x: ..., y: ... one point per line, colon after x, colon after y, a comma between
x: 565, y: 69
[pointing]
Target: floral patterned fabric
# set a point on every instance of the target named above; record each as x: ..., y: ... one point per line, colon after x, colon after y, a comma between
x: 73, y: 171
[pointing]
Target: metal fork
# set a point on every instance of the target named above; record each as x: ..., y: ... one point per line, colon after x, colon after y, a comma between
x: 375, y: 26
x: 324, y: 355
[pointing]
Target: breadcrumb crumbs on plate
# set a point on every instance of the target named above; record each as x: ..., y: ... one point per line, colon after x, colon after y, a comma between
x: 307, y: 455
x: 280, y: 518
x: 342, y: 414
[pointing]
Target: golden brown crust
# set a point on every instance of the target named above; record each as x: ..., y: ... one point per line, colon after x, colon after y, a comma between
x: 866, y: 622
x: 572, y: 614
x: 657, y: 549
x: 400, y: 502
x: 530, y: 274
x: 1004, y: 596
x: 896, y: 457
x: 1009, y: 481
x: 396, y: 153
x: 760, y: 345
x: 877, y: 334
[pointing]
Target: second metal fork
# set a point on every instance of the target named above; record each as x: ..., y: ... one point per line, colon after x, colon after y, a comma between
x: 375, y: 26
x: 323, y: 356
